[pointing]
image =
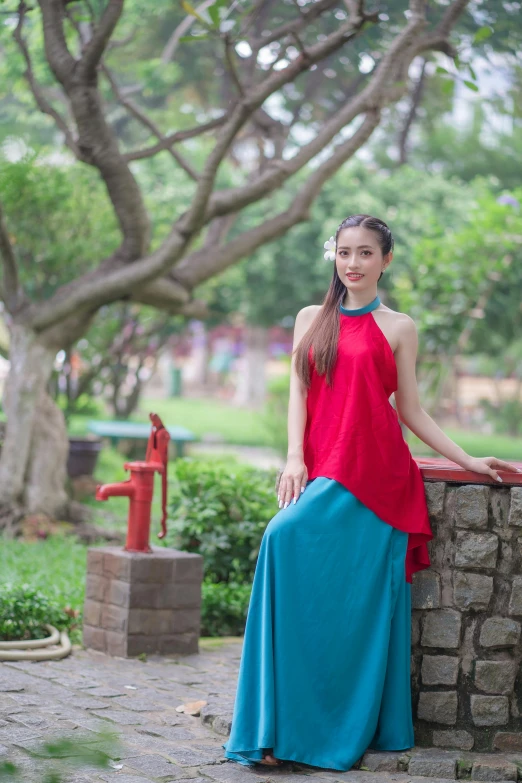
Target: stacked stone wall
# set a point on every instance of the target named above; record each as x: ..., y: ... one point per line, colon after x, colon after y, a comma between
x: 467, y: 620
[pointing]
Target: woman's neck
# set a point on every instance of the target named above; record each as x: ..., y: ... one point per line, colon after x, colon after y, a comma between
x: 358, y: 300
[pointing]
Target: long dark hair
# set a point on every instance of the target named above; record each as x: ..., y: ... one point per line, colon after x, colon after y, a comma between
x: 323, y: 333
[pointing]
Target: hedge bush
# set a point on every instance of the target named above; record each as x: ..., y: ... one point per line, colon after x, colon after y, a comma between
x: 24, y: 610
x: 224, y: 608
x: 220, y: 510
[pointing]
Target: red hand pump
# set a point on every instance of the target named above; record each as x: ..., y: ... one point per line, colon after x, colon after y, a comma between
x: 139, y: 488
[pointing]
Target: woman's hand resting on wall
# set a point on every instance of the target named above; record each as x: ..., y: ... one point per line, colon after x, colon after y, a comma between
x: 490, y: 466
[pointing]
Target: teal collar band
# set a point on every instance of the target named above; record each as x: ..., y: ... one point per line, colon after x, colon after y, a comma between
x: 361, y: 310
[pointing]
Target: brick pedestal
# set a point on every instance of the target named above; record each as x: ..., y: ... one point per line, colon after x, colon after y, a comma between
x: 142, y: 603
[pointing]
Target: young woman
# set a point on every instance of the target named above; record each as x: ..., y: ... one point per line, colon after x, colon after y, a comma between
x: 325, y: 665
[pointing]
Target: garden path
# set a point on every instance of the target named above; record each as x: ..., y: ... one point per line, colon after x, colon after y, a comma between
x: 89, y: 691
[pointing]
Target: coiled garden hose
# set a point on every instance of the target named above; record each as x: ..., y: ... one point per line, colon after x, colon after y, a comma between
x: 37, y: 649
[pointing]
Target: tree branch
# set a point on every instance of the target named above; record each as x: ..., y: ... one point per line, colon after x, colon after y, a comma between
x: 117, y: 283
x: 144, y: 120
x: 247, y: 106
x: 305, y: 18
x: 412, y: 113
x: 165, y: 298
x: 377, y: 92
x: 9, y: 291
x: 40, y: 99
x: 58, y: 55
x: 164, y: 290
x: 437, y: 40
x: 229, y: 60
x: 93, y: 52
x: 392, y: 67
x: 182, y: 29
x: 168, y: 141
x: 115, y: 280
x: 96, y: 140
x: 166, y: 293
x: 450, y: 17
x: 198, y: 266
x: 122, y: 42
x: 112, y: 280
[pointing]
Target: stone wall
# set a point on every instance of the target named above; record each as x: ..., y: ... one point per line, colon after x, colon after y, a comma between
x: 467, y: 620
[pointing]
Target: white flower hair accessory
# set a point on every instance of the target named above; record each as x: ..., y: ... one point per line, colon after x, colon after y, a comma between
x: 329, y: 246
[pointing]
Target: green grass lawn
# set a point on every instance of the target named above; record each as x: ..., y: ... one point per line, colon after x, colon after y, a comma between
x: 474, y: 443
x: 201, y: 416
x: 243, y: 427
x: 55, y: 565
x: 52, y: 564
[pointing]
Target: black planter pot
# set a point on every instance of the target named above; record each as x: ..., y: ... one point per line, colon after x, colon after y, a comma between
x: 83, y: 454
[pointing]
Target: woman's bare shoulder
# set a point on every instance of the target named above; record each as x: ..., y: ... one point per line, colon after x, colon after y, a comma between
x: 308, y: 313
x: 304, y: 320
x: 397, y: 318
x: 397, y: 327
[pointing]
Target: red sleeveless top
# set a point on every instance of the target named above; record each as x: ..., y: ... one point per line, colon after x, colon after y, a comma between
x: 353, y: 435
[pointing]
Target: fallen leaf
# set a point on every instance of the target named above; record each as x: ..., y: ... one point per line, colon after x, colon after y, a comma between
x: 191, y: 707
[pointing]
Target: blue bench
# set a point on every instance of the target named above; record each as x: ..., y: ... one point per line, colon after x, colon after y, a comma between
x: 130, y: 430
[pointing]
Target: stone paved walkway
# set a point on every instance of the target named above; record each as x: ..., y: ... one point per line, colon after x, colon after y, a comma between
x: 89, y: 692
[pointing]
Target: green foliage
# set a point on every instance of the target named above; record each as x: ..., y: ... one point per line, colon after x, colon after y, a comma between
x: 118, y: 354
x: 24, y: 610
x: 506, y: 416
x: 83, y: 405
x: 54, y: 566
x: 475, y: 443
x: 87, y: 750
x: 220, y: 511
x: 224, y: 608
x: 55, y: 232
x: 9, y: 770
x: 283, y: 276
x: 275, y: 414
x: 451, y: 269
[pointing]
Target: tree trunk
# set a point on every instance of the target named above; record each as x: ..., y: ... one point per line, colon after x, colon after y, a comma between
x: 251, y: 381
x: 200, y: 355
x: 34, y: 453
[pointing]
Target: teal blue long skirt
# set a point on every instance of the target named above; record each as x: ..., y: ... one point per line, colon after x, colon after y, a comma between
x: 325, y: 665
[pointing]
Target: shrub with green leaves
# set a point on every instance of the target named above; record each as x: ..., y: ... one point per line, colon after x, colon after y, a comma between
x: 220, y: 510
x: 224, y: 608
x: 24, y: 610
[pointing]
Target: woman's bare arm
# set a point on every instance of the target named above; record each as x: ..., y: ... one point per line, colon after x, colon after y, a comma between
x: 294, y: 476
x: 415, y: 417
x: 298, y: 393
